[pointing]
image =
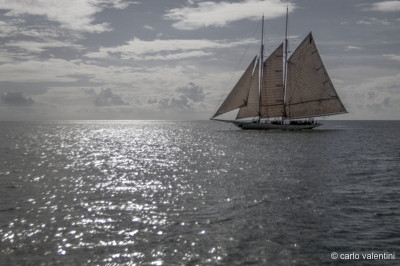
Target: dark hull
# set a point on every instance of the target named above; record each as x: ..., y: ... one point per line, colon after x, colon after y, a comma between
x: 270, y: 126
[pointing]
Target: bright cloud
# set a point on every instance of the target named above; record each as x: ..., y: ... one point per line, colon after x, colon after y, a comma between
x: 393, y: 56
x: 218, y: 14
x: 73, y: 14
x: 148, y: 27
x: 165, y: 49
x: 386, y: 6
x: 372, y: 21
x: 38, y: 47
x: 352, y: 48
x: 7, y: 28
x: 69, y: 71
x: 52, y: 70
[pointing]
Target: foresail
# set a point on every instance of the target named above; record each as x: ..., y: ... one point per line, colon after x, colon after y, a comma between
x: 310, y: 91
x: 253, y: 100
x: 238, y: 96
x: 273, y: 91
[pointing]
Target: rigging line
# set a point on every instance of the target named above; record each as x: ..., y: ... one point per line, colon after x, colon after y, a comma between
x: 273, y: 29
x: 311, y: 101
x: 272, y: 41
x: 236, y: 69
x: 319, y: 115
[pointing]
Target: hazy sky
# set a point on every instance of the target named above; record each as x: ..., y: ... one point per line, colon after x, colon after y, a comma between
x: 176, y: 59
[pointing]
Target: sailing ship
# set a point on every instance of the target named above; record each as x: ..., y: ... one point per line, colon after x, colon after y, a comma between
x: 281, y: 92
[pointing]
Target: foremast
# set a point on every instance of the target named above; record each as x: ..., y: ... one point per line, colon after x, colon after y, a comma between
x: 285, y: 66
x: 261, y: 73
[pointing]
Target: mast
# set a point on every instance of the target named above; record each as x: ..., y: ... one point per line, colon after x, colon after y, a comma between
x: 261, y: 62
x: 285, y: 65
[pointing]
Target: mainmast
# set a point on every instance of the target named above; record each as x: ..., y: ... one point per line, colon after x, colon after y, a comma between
x: 261, y: 74
x: 285, y: 65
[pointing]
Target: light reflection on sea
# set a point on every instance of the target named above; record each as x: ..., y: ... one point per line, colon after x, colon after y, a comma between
x: 163, y: 192
x: 117, y: 189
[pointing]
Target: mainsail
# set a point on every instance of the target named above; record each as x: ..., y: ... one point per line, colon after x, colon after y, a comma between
x: 273, y: 91
x: 238, y: 97
x: 310, y: 91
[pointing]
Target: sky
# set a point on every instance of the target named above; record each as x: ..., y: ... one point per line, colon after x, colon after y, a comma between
x: 178, y: 59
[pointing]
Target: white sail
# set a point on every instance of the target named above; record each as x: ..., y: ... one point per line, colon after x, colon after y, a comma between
x: 273, y: 90
x: 253, y: 100
x: 310, y: 91
x: 238, y: 97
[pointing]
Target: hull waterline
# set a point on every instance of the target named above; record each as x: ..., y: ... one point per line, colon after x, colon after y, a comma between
x: 270, y: 126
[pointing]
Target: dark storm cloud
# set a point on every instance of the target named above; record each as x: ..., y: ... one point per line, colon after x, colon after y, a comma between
x: 16, y: 99
x: 106, y: 97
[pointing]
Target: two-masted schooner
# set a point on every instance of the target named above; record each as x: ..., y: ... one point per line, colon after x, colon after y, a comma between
x: 281, y: 92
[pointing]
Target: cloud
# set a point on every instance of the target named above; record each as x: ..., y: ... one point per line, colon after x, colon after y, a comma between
x: 392, y: 56
x: 386, y: 6
x: 372, y: 21
x: 38, y: 47
x: 16, y: 99
x: 69, y: 72
x: 192, y: 92
x: 375, y: 97
x: 8, y: 28
x: 218, y: 14
x: 78, y: 15
x: 380, y: 106
x: 52, y: 70
x: 186, y: 98
x: 165, y: 49
x: 106, y: 97
x: 152, y: 100
x: 119, y: 4
x: 177, y: 103
x: 176, y: 56
x: 148, y: 27
x: 56, y: 70
x: 352, y: 48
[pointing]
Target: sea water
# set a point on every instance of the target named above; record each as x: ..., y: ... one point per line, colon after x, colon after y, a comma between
x: 195, y: 193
